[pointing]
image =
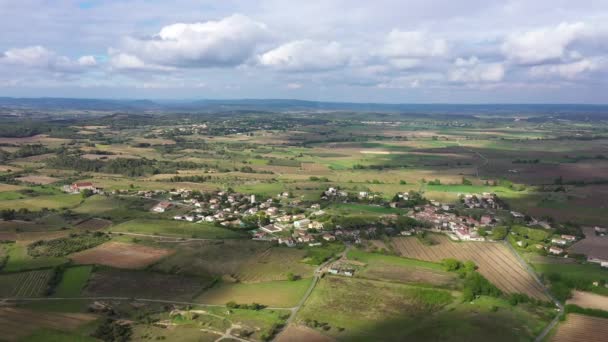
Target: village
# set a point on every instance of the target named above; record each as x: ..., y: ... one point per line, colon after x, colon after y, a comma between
x: 292, y: 222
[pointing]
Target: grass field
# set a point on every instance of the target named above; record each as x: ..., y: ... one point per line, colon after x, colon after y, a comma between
x: 587, y: 272
x: 175, y: 228
x: 39, y: 202
x: 393, y: 268
x: 364, y: 310
x: 211, y: 258
x: 19, y: 260
x: 51, y: 335
x: 282, y: 294
x: 275, y: 264
x: 73, y: 281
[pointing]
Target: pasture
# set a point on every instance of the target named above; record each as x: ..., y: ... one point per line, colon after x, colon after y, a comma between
x: 283, y: 294
x: 175, y: 228
x: 581, y: 328
x: 495, y: 261
x: 210, y: 258
x: 398, y: 269
x: 17, y: 324
x: 353, y: 309
x: 274, y: 264
x: 120, y: 255
x: 73, y: 280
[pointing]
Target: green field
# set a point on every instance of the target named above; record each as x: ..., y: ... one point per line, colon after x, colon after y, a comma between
x: 20, y: 260
x: 364, y: 310
x: 282, y: 294
x: 73, y: 281
x: 40, y: 202
x: 176, y: 228
x: 48, y: 335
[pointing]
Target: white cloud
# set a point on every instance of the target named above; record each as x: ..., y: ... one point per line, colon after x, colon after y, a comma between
x: 473, y: 71
x: 305, y: 55
x: 226, y: 42
x: 294, y: 86
x: 568, y: 70
x: 39, y: 57
x: 542, y: 45
x: 413, y: 44
x: 87, y: 61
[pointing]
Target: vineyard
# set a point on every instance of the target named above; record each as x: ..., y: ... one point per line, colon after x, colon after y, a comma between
x: 25, y: 284
x: 580, y: 328
x: 494, y: 260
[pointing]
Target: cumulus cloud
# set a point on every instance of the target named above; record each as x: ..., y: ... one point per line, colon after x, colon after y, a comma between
x: 471, y: 70
x: 413, y: 44
x: 542, y: 45
x: 568, y: 70
x: 226, y: 42
x: 39, y: 57
x: 305, y: 55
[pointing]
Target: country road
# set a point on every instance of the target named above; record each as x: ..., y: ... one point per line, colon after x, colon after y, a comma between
x: 317, y: 276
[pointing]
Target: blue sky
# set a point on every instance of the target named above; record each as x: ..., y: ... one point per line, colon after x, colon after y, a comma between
x: 408, y: 51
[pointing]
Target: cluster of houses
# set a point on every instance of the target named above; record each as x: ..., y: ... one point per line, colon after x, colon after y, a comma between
x: 484, y: 201
x: 458, y: 227
x: 78, y: 187
x: 559, y: 242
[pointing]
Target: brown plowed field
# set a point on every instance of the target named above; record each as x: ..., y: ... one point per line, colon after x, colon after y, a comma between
x: 16, y: 323
x: 581, y: 328
x: 121, y: 255
x: 494, y: 260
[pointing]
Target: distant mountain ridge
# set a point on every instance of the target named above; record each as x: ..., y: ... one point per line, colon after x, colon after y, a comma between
x: 273, y: 105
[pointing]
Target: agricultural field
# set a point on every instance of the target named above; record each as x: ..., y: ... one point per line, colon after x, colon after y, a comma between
x: 592, y: 245
x: 353, y: 309
x: 17, y: 324
x: 120, y: 255
x: 73, y: 281
x: 282, y: 293
x: 274, y: 264
x: 581, y: 328
x: 175, y: 228
x: 25, y: 284
x: 140, y: 284
x: 495, y: 261
x: 210, y: 258
x: 169, y: 215
x: 398, y: 269
x: 589, y: 300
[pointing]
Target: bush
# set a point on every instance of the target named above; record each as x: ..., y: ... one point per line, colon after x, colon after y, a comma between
x: 571, y: 308
x: 110, y: 330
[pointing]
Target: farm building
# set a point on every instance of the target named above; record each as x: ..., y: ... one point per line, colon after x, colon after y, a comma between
x: 271, y: 228
x: 301, y: 224
x: 596, y: 260
x: 556, y: 250
x: 161, y: 207
x: 79, y: 187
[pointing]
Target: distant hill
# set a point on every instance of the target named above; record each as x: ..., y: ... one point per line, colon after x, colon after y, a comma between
x: 273, y: 105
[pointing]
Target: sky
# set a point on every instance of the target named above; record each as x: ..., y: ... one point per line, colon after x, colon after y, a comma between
x: 407, y: 51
